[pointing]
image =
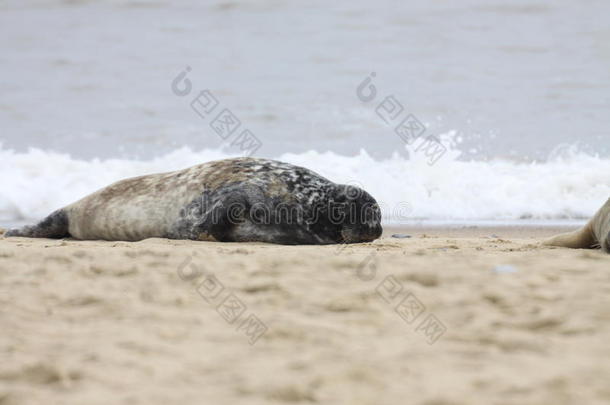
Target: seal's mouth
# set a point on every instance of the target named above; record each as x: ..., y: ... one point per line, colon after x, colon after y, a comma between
x: 359, y: 235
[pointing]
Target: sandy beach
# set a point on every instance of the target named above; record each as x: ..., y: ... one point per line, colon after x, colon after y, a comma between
x: 470, y: 315
x: 478, y: 128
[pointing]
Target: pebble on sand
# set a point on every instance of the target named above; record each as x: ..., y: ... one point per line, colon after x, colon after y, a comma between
x: 505, y: 268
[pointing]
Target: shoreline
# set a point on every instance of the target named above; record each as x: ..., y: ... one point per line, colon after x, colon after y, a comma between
x: 435, y: 226
x: 482, y: 230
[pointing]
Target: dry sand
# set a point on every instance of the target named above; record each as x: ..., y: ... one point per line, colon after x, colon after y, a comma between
x: 119, y: 322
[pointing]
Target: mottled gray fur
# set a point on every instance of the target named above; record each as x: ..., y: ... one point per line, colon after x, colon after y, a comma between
x: 220, y: 201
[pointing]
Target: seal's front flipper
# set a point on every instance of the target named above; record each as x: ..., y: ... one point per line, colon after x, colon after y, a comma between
x: 54, y: 226
x: 580, y: 239
x: 600, y: 224
x: 211, y: 216
x: 223, y: 213
x: 595, y: 234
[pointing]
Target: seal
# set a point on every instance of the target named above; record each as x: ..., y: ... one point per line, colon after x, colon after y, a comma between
x: 231, y: 200
x: 595, y: 234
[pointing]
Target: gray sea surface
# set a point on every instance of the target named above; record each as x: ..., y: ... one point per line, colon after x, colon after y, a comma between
x: 513, y: 78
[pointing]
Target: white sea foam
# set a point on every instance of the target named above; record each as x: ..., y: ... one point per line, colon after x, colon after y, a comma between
x: 569, y: 186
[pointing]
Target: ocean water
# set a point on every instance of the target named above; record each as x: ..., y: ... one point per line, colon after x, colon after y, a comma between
x: 512, y: 99
x: 409, y: 190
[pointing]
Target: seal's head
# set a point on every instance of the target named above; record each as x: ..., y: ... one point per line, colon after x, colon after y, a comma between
x: 355, y: 213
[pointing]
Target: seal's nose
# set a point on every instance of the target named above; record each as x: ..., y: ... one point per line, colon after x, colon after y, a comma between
x: 372, y: 233
x: 377, y: 231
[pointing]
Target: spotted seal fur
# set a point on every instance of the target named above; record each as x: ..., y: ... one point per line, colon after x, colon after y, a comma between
x: 595, y: 234
x: 241, y: 199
